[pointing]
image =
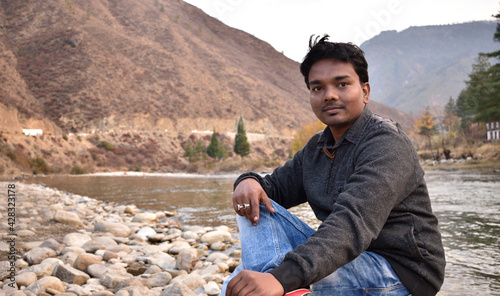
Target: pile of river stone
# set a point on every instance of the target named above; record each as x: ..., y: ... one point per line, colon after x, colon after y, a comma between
x: 114, y: 250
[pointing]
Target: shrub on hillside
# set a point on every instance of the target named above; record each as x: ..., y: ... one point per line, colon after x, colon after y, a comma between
x: 106, y: 145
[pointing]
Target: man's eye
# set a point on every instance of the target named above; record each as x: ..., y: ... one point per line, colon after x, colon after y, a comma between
x: 343, y: 84
x: 316, y: 88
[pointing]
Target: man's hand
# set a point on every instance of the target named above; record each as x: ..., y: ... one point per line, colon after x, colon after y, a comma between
x: 255, y: 284
x: 246, y: 199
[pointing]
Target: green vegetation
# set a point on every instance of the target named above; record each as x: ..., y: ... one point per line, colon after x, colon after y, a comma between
x: 76, y: 170
x: 241, y: 145
x: 461, y: 125
x: 216, y: 149
x: 12, y: 156
x: 194, y: 154
x: 38, y: 165
x: 106, y: 145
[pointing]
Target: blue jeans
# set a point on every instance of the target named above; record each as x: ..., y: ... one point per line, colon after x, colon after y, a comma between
x: 264, y: 247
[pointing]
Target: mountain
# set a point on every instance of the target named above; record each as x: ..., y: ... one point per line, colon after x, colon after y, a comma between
x: 122, y: 84
x: 100, y: 65
x: 427, y: 65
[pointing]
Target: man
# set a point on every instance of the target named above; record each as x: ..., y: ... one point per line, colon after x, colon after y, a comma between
x: 362, y: 178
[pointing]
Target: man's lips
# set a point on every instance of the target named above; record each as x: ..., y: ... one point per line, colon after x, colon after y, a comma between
x: 330, y: 108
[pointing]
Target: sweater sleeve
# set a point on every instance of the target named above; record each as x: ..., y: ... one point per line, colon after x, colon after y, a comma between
x: 284, y: 185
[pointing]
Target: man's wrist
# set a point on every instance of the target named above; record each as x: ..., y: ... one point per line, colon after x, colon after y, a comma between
x: 290, y: 276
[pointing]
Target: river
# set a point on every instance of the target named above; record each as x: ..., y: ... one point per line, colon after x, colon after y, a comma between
x: 466, y: 202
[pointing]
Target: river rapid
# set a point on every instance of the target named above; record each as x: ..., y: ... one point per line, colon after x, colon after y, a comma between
x: 466, y: 202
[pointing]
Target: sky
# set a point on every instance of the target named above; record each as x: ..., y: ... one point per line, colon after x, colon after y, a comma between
x: 288, y: 24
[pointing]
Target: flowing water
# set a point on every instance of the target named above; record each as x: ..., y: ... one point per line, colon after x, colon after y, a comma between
x: 466, y: 202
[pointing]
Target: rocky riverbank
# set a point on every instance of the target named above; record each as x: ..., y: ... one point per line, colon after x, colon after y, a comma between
x: 66, y: 244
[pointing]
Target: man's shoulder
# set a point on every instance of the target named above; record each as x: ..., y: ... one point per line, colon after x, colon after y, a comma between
x: 378, y: 122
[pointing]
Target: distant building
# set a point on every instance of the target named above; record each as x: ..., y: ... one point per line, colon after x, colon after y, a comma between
x: 493, y: 131
x: 32, y: 132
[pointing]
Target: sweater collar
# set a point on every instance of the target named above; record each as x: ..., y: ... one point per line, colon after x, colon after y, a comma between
x: 353, y: 134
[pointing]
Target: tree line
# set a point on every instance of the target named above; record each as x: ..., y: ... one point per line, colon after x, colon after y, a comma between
x: 463, y: 120
x: 216, y: 149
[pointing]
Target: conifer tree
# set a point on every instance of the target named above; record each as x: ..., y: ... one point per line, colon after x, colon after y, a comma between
x: 241, y: 145
x: 480, y: 100
x: 215, y: 149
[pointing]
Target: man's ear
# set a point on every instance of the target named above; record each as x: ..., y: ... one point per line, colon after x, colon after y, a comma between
x: 366, y: 92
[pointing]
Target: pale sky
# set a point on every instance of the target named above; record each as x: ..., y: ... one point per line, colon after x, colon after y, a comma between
x: 288, y: 24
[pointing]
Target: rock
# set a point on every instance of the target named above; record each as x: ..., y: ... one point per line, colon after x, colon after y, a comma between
x: 92, y: 246
x: 69, y: 258
x: 84, y: 260
x: 193, y: 281
x: 21, y: 264
x: 137, y: 268
x: 217, y: 256
x: 177, y: 289
x: 218, y: 278
x: 76, y: 290
x: 131, y: 210
x: 218, y: 246
x: 107, y: 241
x: 46, y: 267
x: 37, y: 255
x: 145, y: 232
x: 117, y: 229
x: 211, y: 289
x: 177, y: 246
x: 236, y: 253
x: 145, y: 218
x: 76, y: 239
x: 122, y: 293
x: 70, y: 275
x: 153, y: 269
x: 31, y: 245
x: 26, y: 278
x: 108, y: 255
x: 74, y: 249
x: 190, y: 235
x: 114, y: 276
x: 131, y: 282
x: 135, y: 291
x: 53, y: 244
x: 186, y: 259
x: 209, y: 270
x: 216, y: 236
x: 97, y: 270
x: 46, y: 283
x: 25, y: 232
x: 102, y: 293
x: 163, y: 260
x: 69, y: 218
x: 4, y: 270
x: 158, y: 279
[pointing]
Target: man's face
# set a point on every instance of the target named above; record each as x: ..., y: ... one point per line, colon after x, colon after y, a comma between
x: 336, y: 94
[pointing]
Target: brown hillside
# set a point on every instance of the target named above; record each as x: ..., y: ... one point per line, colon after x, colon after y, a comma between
x: 142, y: 64
x: 149, y: 70
x: 108, y: 64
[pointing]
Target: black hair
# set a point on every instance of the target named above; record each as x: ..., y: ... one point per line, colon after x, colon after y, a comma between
x: 346, y: 52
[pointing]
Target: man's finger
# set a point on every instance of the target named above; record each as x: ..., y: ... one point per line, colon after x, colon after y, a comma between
x: 267, y: 202
x: 255, y: 211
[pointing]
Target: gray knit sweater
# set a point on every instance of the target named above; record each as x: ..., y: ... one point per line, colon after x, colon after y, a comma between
x: 371, y: 196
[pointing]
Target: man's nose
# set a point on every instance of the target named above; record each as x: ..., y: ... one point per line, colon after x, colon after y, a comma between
x: 330, y: 94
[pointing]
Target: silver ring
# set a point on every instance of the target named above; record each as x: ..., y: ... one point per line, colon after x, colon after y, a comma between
x: 240, y: 207
x: 245, y: 205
